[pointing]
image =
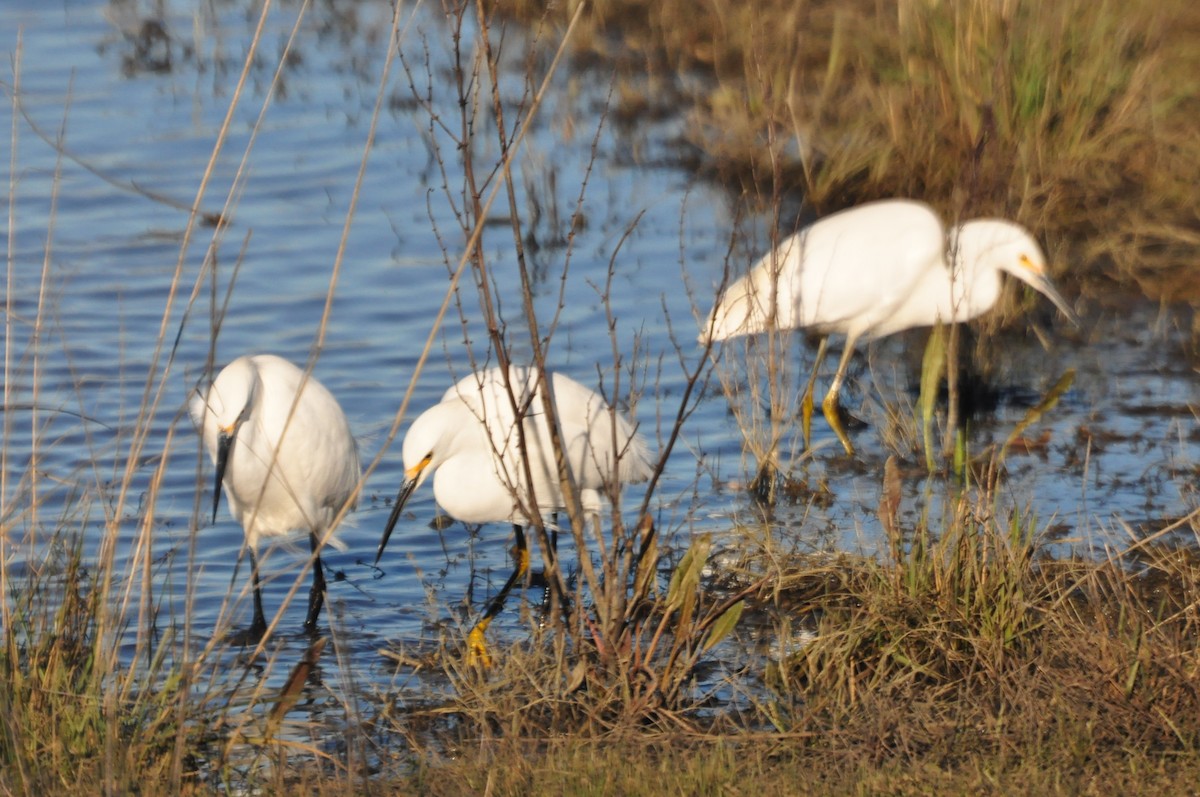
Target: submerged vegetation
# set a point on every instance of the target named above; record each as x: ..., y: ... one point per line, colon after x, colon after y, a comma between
x: 964, y: 658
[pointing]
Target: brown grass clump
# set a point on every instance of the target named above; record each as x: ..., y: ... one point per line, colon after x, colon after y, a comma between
x: 969, y: 662
x: 973, y: 657
x: 1073, y: 118
x: 70, y: 723
x: 966, y: 660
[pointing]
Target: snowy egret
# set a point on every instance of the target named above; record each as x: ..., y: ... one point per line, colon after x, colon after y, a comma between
x: 286, y: 457
x: 483, y: 470
x: 874, y: 270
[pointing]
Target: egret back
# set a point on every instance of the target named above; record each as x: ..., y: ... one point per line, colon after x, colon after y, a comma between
x: 979, y: 251
x: 844, y: 273
x: 283, y: 475
x: 477, y: 414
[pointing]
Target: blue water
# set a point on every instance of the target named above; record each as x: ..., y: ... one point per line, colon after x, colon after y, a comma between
x: 116, y: 291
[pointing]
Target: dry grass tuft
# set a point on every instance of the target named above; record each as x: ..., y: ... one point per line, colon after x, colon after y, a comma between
x: 1073, y: 118
x: 965, y: 661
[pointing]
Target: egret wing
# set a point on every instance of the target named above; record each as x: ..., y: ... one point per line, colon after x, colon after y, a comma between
x: 855, y: 267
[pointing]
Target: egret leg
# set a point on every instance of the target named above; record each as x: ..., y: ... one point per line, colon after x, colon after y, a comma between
x: 553, y: 558
x: 258, y: 628
x: 806, y: 401
x: 833, y: 413
x: 476, y: 645
x: 316, y: 594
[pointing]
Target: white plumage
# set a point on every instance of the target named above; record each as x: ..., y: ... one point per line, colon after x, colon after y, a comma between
x: 878, y: 269
x: 286, y: 465
x: 471, y: 444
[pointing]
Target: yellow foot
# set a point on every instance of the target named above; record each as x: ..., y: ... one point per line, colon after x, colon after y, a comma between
x: 833, y: 414
x: 477, y: 652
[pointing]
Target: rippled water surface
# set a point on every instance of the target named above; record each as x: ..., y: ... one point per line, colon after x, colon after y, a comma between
x: 99, y: 226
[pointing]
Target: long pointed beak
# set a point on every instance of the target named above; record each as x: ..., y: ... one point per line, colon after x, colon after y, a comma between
x: 1046, y: 287
x: 224, y: 442
x: 411, y: 480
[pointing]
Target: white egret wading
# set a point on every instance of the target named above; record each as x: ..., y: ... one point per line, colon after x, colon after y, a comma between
x: 281, y: 474
x: 471, y: 444
x: 874, y: 270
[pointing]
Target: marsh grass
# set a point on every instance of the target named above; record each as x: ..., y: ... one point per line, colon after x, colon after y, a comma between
x: 964, y: 659
x: 971, y: 645
x: 71, y: 717
x: 968, y: 660
x: 1074, y: 119
x: 104, y: 688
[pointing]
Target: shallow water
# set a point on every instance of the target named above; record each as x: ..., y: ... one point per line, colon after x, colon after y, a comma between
x: 1119, y: 452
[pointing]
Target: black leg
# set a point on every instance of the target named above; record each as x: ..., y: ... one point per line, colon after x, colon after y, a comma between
x: 554, y: 559
x: 316, y: 595
x: 258, y: 628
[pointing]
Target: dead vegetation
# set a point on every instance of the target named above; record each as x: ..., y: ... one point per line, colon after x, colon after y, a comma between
x: 967, y: 660
x: 1075, y: 120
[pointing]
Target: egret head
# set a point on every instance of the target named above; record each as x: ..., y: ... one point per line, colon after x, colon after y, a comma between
x: 1010, y: 248
x: 220, y: 412
x: 426, y: 443
x: 425, y: 447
